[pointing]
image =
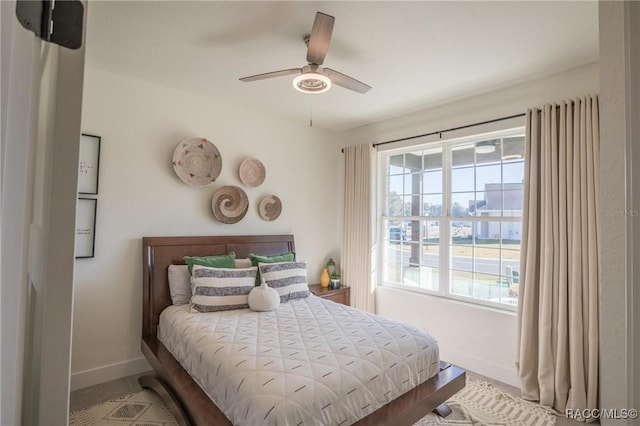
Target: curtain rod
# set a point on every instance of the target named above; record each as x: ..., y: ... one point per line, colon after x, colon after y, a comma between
x: 439, y: 132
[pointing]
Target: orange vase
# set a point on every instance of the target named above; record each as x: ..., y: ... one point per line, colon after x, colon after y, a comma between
x: 324, y: 278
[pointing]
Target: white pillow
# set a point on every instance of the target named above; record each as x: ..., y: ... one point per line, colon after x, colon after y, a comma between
x: 263, y: 298
x: 289, y: 279
x: 179, y: 284
x: 242, y: 263
x: 221, y: 289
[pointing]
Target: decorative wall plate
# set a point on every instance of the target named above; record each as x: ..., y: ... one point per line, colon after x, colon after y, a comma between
x: 230, y: 204
x: 197, y: 161
x: 270, y: 208
x: 252, y: 172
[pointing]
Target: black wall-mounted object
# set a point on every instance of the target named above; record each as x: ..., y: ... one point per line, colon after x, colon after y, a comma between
x: 59, y: 22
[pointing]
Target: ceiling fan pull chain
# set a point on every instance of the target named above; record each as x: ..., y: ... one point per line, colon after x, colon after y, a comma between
x: 311, y: 112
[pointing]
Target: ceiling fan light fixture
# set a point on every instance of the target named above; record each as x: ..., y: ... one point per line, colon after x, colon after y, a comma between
x: 312, y: 82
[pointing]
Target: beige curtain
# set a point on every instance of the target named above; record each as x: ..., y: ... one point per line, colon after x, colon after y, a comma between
x: 557, y: 355
x: 357, y: 242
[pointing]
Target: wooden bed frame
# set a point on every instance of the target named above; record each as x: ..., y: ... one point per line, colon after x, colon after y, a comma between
x: 186, y: 400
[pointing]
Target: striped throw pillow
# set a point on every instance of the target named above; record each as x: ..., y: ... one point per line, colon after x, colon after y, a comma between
x: 257, y: 259
x: 221, y: 289
x: 289, y: 279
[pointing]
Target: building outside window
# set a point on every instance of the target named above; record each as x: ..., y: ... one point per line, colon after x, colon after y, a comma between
x: 451, y: 218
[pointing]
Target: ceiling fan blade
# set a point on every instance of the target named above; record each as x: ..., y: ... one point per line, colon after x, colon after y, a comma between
x: 273, y: 74
x: 320, y: 38
x: 346, y: 81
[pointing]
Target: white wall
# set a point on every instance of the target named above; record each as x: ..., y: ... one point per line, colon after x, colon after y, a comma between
x: 634, y: 161
x: 40, y: 138
x: 20, y: 76
x: 505, y: 102
x: 619, y: 188
x: 140, y: 195
x: 60, y: 213
x: 479, y: 339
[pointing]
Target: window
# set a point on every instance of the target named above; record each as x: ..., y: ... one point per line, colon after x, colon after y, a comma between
x: 451, y: 218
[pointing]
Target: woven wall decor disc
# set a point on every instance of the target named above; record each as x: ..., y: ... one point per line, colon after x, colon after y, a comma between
x: 252, y: 172
x: 270, y: 208
x: 197, y: 161
x: 230, y: 204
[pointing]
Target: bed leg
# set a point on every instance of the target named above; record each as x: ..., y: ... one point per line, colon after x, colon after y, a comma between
x: 158, y: 386
x: 443, y: 410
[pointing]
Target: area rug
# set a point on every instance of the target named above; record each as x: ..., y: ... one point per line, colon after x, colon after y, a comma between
x: 478, y: 404
x: 142, y: 408
x: 481, y: 404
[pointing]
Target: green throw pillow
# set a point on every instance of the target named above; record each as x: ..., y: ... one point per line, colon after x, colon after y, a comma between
x: 256, y: 258
x: 224, y: 261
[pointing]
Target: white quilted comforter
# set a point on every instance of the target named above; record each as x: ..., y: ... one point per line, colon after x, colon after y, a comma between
x: 311, y: 361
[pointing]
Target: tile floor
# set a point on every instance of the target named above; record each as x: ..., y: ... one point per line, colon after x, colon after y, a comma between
x: 83, y: 398
x: 103, y: 392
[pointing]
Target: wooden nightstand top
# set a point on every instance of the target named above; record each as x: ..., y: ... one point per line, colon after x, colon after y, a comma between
x: 340, y: 295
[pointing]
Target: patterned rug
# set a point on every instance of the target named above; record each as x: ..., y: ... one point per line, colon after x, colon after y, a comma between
x: 478, y: 404
x: 481, y: 404
x: 142, y: 408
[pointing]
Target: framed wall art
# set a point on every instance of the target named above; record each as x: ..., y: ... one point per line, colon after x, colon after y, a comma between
x: 86, y: 227
x: 89, y: 164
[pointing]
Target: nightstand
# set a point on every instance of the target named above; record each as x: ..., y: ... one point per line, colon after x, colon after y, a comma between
x: 339, y: 295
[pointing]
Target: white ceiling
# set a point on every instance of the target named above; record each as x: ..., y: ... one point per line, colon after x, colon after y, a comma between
x: 414, y: 54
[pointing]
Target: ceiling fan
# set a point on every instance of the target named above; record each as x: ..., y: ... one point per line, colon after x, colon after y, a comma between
x: 313, y: 78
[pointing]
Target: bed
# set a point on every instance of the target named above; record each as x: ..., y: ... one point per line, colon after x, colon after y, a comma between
x: 189, y: 401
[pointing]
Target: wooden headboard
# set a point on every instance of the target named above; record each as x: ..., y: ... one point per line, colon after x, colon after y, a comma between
x: 160, y: 252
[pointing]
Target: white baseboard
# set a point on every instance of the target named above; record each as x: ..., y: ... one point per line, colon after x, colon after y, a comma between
x: 481, y: 366
x: 106, y: 373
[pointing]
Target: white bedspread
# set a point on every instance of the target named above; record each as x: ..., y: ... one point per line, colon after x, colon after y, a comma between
x: 311, y: 361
